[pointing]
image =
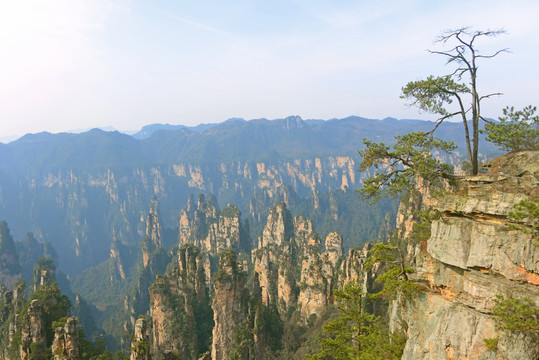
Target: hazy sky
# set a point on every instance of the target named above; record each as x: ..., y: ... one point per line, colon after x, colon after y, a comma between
x: 76, y: 64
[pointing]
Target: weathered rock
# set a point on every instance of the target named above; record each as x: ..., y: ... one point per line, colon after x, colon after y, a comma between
x: 315, y: 282
x: 36, y: 324
x: 44, y: 272
x: 211, y: 230
x: 274, y: 246
x: 278, y: 229
x: 353, y: 267
x: 288, y: 247
x: 66, y: 345
x: 33, y: 330
x: 6, y: 310
x: 117, y: 260
x: 152, y: 237
x: 174, y: 297
x: 229, y: 305
x: 476, y: 251
x: 140, y: 344
x: 10, y: 268
x: 334, y: 249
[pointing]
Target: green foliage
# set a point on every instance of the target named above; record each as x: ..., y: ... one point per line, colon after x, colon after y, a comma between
x: 433, y: 94
x: 231, y: 211
x: 273, y: 327
x: 59, y: 322
x: 355, y: 334
x: 204, y: 325
x: 13, y: 350
x: 394, y: 276
x: 54, y: 305
x: 491, y: 344
x: 242, y: 346
x: 422, y: 224
x: 526, y: 213
x: 514, y: 314
x: 39, y: 352
x: 525, y: 210
x: 227, y: 260
x: 517, y: 130
x: 396, y: 168
x: 141, y: 348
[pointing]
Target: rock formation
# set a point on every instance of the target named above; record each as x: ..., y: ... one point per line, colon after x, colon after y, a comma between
x: 140, y: 344
x: 174, y: 300
x: 44, y: 272
x: 6, y: 327
x: 275, y: 247
x: 66, y: 344
x: 211, y: 230
x: 10, y: 269
x: 476, y: 251
x: 152, y: 237
x: 33, y: 331
x: 230, y: 309
x: 291, y: 246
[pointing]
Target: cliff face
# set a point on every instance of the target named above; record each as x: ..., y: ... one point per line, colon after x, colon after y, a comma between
x: 230, y: 308
x: 290, y: 265
x: 33, y: 331
x: 66, y: 344
x: 211, y: 230
x: 174, y: 300
x: 275, y: 248
x: 152, y: 237
x: 10, y: 268
x: 140, y: 344
x: 83, y: 198
x: 476, y: 251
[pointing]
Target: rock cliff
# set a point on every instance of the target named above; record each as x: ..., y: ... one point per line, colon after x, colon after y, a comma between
x: 10, y: 268
x: 152, y: 237
x: 140, y: 344
x: 230, y: 309
x: 66, y: 344
x: 175, y: 299
x: 476, y: 251
x: 290, y: 265
x: 210, y: 229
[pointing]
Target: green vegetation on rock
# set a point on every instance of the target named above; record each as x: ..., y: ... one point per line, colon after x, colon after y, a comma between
x: 516, y: 130
x: 355, y: 334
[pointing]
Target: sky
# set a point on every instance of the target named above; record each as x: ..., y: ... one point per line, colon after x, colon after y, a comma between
x: 79, y: 64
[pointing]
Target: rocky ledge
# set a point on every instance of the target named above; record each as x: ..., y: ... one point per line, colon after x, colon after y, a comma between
x: 477, y: 250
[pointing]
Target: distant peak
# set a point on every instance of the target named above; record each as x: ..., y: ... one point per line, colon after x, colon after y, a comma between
x: 293, y: 122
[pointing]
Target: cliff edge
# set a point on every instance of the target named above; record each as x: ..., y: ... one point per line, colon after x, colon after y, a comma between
x: 477, y: 250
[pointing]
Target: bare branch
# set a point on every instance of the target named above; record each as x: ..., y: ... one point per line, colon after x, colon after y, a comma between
x: 489, y: 95
x: 493, y: 55
x: 441, y: 120
x: 486, y: 120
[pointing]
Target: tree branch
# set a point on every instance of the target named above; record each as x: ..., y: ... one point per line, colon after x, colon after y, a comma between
x: 493, y: 55
x: 489, y: 95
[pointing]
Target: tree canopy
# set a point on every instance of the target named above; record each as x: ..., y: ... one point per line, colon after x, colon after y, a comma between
x: 355, y: 334
x: 396, y: 167
x: 418, y: 154
x: 456, y: 94
x: 516, y: 130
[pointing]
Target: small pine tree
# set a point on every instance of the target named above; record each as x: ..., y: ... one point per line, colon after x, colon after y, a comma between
x: 517, y: 130
x: 356, y: 334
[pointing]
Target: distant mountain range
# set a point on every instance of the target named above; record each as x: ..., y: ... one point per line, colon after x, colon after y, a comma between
x: 82, y: 191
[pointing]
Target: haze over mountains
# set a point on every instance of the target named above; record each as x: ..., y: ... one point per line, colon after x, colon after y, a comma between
x: 126, y: 218
x: 98, y: 184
